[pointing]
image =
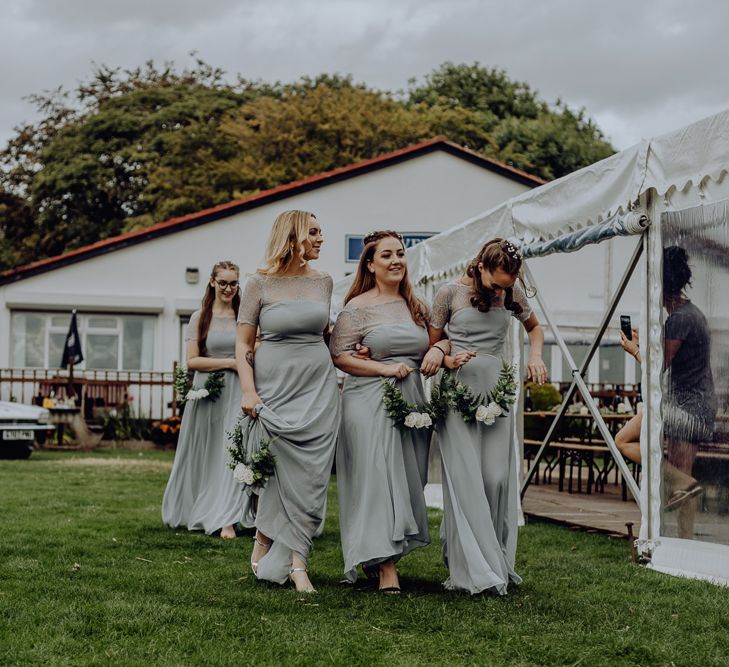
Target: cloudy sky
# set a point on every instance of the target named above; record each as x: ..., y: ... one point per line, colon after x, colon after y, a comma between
x: 639, y: 68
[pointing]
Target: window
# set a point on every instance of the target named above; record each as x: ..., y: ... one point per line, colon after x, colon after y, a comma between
x: 612, y: 364
x: 578, y: 352
x: 116, y: 342
x: 354, y: 243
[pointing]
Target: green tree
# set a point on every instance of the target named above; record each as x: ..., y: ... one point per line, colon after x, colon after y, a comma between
x: 128, y: 149
x: 90, y: 170
x: 525, y: 131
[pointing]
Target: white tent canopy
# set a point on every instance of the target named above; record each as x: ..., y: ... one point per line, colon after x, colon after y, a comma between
x: 585, y: 198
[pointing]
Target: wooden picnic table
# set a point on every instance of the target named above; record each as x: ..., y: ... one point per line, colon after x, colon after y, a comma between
x: 571, y: 448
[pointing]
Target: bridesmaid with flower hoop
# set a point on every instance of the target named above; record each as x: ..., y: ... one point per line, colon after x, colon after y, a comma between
x: 382, y: 467
x: 202, y: 493
x: 480, y: 501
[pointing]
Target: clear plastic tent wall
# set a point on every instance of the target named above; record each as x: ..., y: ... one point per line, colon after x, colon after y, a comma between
x: 678, y: 182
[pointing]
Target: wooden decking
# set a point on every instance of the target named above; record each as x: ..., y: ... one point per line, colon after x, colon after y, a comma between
x: 604, y: 512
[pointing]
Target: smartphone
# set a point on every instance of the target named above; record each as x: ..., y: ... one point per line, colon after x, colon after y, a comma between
x: 626, y: 327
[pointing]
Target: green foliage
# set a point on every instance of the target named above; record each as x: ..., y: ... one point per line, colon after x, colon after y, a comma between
x: 524, y: 131
x: 544, y: 396
x: 122, y: 425
x: 131, y: 148
x: 255, y: 467
x: 182, y: 383
x: 452, y: 394
x: 404, y: 414
x: 214, y: 384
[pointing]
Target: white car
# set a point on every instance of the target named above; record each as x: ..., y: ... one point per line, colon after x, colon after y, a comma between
x: 20, y: 427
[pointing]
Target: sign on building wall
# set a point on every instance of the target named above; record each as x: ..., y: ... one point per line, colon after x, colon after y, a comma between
x: 355, y: 242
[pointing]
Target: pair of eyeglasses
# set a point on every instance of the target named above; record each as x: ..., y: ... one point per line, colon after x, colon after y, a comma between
x: 225, y: 284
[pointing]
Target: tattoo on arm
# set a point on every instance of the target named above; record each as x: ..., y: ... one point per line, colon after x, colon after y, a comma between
x: 249, y: 358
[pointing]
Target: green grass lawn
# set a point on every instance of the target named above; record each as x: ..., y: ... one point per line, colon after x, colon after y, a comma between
x: 89, y: 575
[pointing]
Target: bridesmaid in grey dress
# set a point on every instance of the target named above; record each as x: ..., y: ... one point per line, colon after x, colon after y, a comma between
x: 479, y: 529
x: 290, y: 395
x: 202, y: 493
x: 381, y: 469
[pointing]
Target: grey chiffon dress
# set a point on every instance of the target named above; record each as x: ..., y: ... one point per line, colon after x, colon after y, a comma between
x: 381, y: 469
x: 202, y: 493
x: 480, y: 487
x: 295, y: 378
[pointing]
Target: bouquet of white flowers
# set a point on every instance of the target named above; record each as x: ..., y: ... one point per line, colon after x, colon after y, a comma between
x: 252, y: 469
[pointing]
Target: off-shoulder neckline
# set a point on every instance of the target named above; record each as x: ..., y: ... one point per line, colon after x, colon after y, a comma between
x: 305, y: 276
x: 374, y: 305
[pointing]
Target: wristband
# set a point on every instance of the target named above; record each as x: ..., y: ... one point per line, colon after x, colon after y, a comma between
x: 440, y: 349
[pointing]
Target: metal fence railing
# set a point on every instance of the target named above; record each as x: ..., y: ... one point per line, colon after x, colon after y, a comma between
x: 148, y: 394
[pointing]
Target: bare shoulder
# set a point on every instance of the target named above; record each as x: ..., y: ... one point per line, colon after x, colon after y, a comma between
x: 312, y: 273
x: 364, y: 299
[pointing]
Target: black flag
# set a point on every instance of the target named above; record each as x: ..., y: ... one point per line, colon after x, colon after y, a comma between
x: 72, y: 349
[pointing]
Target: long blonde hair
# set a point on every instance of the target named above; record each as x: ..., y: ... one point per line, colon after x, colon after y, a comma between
x: 364, y: 280
x: 286, y: 241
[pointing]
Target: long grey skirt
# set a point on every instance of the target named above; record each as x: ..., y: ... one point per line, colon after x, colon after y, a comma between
x: 381, y: 472
x: 480, y: 504
x: 298, y: 386
x: 202, y: 493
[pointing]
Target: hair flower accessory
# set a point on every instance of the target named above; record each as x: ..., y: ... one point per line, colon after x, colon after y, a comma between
x: 510, y: 249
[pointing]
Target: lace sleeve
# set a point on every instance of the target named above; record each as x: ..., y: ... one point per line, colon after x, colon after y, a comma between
x: 191, y: 332
x: 251, y: 301
x: 520, y: 297
x: 440, y: 313
x: 346, y: 334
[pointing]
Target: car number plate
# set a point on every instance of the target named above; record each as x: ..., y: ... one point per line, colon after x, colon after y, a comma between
x: 18, y: 435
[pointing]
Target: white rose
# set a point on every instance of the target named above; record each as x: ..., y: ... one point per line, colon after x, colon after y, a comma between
x: 243, y: 474
x: 204, y: 393
x: 411, y: 421
x: 494, y: 409
x: 191, y: 395
x: 427, y: 421
x: 489, y: 421
x: 482, y: 413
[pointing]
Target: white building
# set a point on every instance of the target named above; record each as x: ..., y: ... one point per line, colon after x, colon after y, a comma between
x: 135, y: 292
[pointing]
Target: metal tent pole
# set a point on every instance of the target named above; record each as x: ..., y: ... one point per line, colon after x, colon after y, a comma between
x: 578, y: 381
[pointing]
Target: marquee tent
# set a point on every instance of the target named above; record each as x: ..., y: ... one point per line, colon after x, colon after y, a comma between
x: 668, y: 190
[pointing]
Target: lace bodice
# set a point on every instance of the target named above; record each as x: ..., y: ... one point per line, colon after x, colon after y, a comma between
x: 455, y: 296
x: 261, y: 291
x: 355, y: 322
x: 220, y: 341
x: 218, y: 323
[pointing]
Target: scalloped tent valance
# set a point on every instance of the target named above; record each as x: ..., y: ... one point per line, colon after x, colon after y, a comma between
x: 586, y: 198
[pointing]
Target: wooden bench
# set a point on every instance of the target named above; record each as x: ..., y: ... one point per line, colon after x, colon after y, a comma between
x: 571, y: 454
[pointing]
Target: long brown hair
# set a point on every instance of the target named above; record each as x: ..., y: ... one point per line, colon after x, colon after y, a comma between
x: 364, y: 279
x: 206, y: 309
x: 495, y: 254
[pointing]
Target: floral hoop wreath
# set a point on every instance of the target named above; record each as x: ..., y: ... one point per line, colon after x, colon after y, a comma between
x: 253, y: 469
x: 185, y: 392
x: 451, y: 394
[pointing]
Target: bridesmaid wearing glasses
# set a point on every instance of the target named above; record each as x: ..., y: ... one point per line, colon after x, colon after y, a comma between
x: 202, y: 493
x: 381, y: 468
x: 290, y: 395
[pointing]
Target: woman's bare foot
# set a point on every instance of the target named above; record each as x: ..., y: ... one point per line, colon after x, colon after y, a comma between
x: 389, y: 581
x: 228, y: 533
